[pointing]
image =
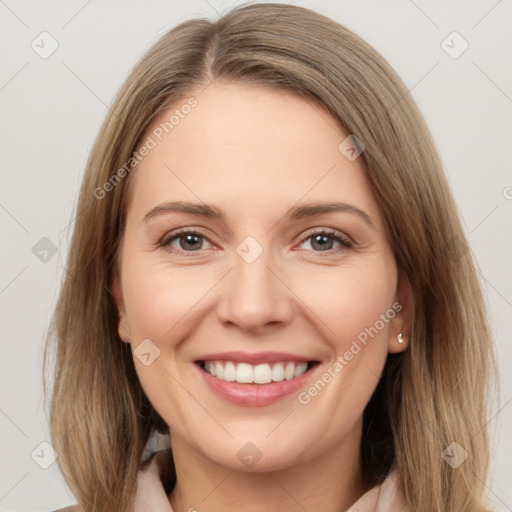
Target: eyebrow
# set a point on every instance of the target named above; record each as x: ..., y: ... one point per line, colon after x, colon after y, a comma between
x: 296, y: 212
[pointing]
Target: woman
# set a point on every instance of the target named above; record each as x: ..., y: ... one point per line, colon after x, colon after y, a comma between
x: 269, y: 270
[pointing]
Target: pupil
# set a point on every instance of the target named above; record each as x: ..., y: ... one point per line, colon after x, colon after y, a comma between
x: 322, y: 240
x: 191, y: 239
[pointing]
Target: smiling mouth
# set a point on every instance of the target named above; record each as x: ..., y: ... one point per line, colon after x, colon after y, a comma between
x: 265, y: 373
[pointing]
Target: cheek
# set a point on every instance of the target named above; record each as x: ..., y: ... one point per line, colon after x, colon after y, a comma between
x: 162, y: 306
x: 160, y: 301
x: 352, y: 301
x: 343, y: 302
x: 356, y: 304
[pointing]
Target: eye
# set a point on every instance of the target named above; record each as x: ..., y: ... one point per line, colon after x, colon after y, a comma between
x: 322, y: 240
x: 183, y: 242
x: 187, y: 242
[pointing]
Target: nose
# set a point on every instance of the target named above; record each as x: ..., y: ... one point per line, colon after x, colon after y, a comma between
x: 255, y: 296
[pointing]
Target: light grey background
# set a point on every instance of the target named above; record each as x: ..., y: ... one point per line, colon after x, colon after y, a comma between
x: 52, y: 109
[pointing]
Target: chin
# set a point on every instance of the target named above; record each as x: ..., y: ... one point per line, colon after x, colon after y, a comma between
x: 258, y: 454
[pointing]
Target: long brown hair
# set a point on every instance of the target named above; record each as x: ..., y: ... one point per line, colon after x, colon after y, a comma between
x: 430, y: 396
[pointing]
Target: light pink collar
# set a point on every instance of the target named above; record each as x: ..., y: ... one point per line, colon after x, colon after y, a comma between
x: 386, y: 497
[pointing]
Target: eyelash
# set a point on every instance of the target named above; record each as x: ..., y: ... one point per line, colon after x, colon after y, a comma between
x: 345, y: 242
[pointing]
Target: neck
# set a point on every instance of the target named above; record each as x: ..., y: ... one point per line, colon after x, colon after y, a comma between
x: 332, y: 480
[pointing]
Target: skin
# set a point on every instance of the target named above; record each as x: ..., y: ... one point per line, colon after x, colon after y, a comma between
x: 254, y: 153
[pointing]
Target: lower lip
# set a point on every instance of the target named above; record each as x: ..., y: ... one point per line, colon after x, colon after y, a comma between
x: 255, y: 395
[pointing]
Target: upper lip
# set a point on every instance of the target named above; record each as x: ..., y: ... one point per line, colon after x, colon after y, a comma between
x: 254, y: 358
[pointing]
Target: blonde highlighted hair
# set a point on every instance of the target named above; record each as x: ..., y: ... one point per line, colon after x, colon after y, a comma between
x: 431, y: 395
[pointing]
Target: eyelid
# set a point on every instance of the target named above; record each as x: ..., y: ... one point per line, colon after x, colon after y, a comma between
x: 335, y: 233
x: 168, y: 237
x: 346, y: 242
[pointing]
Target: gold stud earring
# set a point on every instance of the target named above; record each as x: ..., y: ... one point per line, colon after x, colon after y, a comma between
x: 399, y: 337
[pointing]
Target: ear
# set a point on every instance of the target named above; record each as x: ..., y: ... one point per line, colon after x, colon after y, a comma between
x: 402, y: 321
x: 123, y: 326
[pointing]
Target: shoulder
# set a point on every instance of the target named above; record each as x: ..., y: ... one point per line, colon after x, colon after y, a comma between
x: 391, y: 494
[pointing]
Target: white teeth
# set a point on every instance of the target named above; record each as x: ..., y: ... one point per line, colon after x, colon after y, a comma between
x: 210, y: 368
x: 289, y: 371
x: 299, y: 369
x: 219, y: 370
x: 278, y: 372
x: 262, y: 374
x: 244, y: 373
x: 229, y: 372
x: 258, y: 374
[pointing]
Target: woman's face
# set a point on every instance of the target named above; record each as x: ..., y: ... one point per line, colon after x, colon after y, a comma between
x: 232, y: 262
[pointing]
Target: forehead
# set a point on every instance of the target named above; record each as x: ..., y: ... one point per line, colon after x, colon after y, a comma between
x: 248, y: 148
